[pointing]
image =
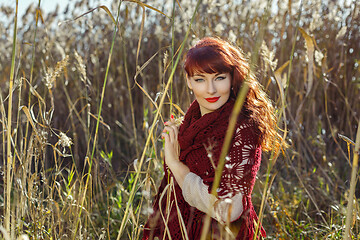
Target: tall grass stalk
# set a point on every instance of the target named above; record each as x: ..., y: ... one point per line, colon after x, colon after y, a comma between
x: 225, y: 149
x: 8, y: 130
x: 172, y: 51
x: 355, y: 165
x: 130, y: 100
x: 233, y: 118
x: 20, y: 200
x: 25, y: 144
x: 38, y: 14
x: 98, y: 120
x: 132, y: 193
x: 282, y: 113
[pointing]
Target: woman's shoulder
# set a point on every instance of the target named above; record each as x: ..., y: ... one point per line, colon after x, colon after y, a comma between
x: 246, y: 130
x: 244, y: 121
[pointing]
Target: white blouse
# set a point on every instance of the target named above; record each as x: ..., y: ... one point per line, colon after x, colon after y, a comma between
x: 196, y: 194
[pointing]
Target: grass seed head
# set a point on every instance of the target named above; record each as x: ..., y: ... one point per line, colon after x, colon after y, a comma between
x: 52, y: 74
x: 64, y: 140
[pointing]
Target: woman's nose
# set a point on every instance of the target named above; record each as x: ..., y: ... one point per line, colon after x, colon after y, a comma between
x: 211, y: 89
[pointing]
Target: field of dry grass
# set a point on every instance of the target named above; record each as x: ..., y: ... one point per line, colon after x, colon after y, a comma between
x: 82, y: 103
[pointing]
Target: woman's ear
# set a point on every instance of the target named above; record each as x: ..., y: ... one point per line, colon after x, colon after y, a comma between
x: 188, y: 81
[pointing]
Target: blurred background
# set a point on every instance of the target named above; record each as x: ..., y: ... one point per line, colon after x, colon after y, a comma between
x: 79, y: 126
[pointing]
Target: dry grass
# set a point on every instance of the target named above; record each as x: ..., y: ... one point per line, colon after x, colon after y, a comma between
x: 86, y: 102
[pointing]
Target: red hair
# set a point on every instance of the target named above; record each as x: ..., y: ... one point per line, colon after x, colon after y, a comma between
x: 214, y: 55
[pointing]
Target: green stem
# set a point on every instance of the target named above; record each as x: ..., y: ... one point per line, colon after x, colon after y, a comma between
x: 8, y: 133
x: 132, y: 193
x: 225, y: 149
x: 233, y: 119
x: 355, y: 165
x: 172, y: 52
x: 131, y: 101
x: 98, y: 119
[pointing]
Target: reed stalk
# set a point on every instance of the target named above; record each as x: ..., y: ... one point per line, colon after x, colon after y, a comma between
x: 26, y: 139
x: 282, y: 113
x: 172, y: 51
x: 98, y: 119
x: 130, y: 100
x: 355, y: 165
x: 8, y: 133
x: 225, y: 149
x: 155, y: 122
x: 233, y: 119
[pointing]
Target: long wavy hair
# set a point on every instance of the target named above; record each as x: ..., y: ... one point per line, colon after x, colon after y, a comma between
x: 214, y: 55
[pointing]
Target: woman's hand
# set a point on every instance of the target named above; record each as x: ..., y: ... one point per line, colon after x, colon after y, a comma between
x: 172, y: 148
x: 172, y: 151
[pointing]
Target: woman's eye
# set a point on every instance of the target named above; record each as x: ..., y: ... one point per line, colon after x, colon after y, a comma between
x: 220, y: 78
x: 198, y: 80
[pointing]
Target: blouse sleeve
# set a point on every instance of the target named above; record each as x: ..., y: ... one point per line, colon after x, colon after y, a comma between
x: 196, y: 194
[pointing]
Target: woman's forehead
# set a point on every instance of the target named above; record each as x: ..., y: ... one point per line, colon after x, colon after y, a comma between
x: 209, y: 69
x: 202, y: 74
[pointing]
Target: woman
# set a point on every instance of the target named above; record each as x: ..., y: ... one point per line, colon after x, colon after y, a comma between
x: 215, y: 71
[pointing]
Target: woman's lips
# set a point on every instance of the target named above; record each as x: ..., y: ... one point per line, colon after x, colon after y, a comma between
x: 212, y: 100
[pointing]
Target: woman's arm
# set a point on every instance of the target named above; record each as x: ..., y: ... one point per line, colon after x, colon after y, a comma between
x: 196, y: 194
x: 237, y: 180
x: 179, y: 171
x: 172, y: 152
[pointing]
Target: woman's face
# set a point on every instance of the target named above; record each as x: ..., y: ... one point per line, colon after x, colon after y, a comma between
x: 212, y: 90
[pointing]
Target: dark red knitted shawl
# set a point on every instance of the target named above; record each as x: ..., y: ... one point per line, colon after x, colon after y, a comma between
x: 201, y: 139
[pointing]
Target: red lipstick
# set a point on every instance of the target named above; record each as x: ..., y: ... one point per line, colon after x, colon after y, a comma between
x: 212, y: 100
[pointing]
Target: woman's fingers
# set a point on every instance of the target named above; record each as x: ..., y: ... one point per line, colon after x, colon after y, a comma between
x: 165, y: 136
x: 172, y: 129
x: 176, y: 130
x: 171, y: 132
x: 170, y: 123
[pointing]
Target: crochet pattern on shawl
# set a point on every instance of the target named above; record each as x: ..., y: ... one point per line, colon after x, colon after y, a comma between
x: 201, y: 139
